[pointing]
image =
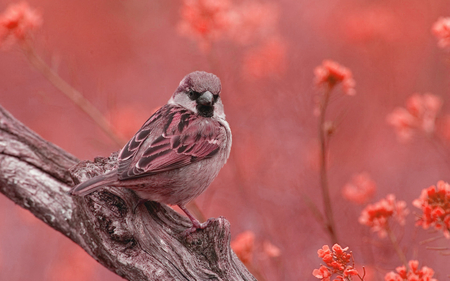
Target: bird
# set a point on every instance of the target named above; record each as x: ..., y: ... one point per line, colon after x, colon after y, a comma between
x: 177, y: 152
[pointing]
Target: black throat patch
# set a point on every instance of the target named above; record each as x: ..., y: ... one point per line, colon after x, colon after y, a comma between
x: 205, y: 110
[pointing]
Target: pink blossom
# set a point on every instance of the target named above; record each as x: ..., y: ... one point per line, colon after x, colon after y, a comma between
x: 419, y: 115
x: 322, y: 273
x: 331, y: 73
x: 412, y: 274
x: 377, y: 215
x: 271, y: 250
x: 337, y: 261
x: 360, y: 188
x: 435, y: 204
x: 205, y: 20
x: 243, y: 245
x: 441, y: 29
x: 208, y: 21
x: 17, y: 21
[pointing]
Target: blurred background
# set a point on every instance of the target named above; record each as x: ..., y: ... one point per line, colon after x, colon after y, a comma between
x: 127, y: 58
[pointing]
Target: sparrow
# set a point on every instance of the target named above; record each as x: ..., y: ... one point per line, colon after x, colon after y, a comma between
x: 178, y: 151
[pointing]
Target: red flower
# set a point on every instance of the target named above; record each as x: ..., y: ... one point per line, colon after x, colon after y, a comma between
x: 212, y: 20
x: 243, y: 245
x: 377, y: 215
x: 441, y: 29
x: 17, y: 21
x: 271, y: 250
x: 331, y: 73
x: 206, y: 20
x: 435, y: 204
x: 419, y: 115
x: 336, y: 262
x: 413, y: 274
x: 322, y: 273
x: 360, y: 189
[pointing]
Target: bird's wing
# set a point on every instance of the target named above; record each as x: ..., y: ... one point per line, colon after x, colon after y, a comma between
x: 172, y: 138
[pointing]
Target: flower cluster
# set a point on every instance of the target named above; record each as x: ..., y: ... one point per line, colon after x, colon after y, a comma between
x: 206, y: 20
x: 17, y: 21
x: 211, y: 20
x: 420, y: 114
x: 360, y: 188
x: 435, y: 204
x: 377, y: 215
x: 336, y: 261
x: 441, y: 29
x: 331, y: 73
x: 250, y: 23
x: 243, y: 245
x: 412, y: 274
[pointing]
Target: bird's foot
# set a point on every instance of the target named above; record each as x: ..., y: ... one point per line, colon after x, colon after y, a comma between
x: 197, y: 225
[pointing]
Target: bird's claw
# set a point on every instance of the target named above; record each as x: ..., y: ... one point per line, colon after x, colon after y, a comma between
x: 197, y: 225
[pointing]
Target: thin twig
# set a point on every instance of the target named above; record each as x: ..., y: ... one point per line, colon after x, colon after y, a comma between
x: 316, y: 213
x: 396, y: 246
x: 74, y: 95
x: 323, y: 167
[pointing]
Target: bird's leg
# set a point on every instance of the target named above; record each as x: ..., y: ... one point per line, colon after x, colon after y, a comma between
x: 195, y: 223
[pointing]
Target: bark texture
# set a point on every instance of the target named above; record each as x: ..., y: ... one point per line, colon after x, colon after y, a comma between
x: 147, y: 243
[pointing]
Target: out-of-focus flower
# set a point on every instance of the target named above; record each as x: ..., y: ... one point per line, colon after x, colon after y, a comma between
x: 419, y: 115
x: 441, y: 29
x: 403, y: 122
x: 377, y: 215
x: 271, y: 250
x: 337, y: 261
x: 412, y: 274
x: 17, y: 21
x: 243, y: 245
x: 208, y: 21
x: 331, y: 73
x: 205, y: 20
x: 252, y: 21
x: 266, y: 59
x: 435, y: 204
x: 424, y: 108
x: 360, y: 188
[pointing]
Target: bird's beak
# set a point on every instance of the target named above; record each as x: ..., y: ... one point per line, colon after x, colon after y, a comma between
x: 206, y: 98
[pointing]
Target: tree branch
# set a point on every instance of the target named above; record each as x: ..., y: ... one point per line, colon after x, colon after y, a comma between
x: 147, y: 245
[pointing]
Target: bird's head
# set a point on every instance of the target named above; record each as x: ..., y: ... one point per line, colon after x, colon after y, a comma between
x: 199, y: 92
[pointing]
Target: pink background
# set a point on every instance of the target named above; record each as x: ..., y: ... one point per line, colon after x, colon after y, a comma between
x: 127, y: 58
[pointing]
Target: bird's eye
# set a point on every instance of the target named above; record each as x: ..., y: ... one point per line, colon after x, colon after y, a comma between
x: 193, y: 95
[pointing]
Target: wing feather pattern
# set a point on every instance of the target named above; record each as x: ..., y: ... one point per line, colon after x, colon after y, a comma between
x: 185, y: 138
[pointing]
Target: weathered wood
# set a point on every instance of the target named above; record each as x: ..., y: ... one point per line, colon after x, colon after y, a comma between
x: 149, y: 244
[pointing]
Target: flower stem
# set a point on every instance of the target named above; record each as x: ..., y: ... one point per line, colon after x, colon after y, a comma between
x: 71, y: 93
x: 396, y: 246
x: 330, y: 225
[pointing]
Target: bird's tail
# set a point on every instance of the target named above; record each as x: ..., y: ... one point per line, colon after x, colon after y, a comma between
x: 94, y: 184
